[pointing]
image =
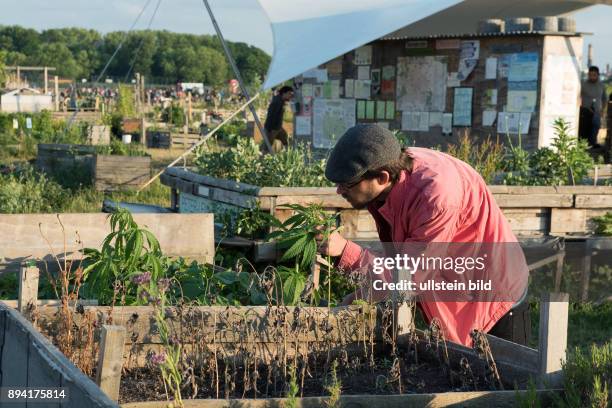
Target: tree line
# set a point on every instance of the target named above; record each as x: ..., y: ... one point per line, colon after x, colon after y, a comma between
x: 162, y: 56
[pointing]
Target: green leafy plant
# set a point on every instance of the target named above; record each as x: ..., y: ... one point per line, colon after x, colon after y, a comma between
x: 118, y: 148
x: 334, y: 387
x: 603, y: 224
x: 588, y: 378
x: 24, y: 190
x: 567, y: 161
x: 126, y: 252
x: 292, y: 167
x: 486, y: 157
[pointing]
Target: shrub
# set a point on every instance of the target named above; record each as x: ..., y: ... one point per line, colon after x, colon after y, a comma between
x: 244, y: 162
x: 486, y: 158
x: 26, y: 191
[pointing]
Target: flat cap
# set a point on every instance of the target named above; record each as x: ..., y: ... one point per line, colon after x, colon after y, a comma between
x: 361, y: 148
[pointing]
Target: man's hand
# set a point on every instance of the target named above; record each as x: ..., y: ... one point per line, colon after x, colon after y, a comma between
x: 334, y: 246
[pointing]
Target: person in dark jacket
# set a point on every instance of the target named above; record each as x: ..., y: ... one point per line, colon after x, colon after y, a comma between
x: 274, y: 118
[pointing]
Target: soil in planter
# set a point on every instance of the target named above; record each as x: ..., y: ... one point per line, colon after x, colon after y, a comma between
x: 355, y: 376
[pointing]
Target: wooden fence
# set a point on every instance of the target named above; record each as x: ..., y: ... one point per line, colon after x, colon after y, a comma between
x: 531, y: 211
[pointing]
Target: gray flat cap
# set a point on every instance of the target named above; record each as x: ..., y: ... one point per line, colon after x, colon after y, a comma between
x: 361, y: 148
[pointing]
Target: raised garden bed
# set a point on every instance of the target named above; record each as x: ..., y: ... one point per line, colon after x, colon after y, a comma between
x: 108, y: 172
x: 531, y: 211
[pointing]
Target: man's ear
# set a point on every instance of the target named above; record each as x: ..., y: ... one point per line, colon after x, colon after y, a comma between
x: 384, y: 177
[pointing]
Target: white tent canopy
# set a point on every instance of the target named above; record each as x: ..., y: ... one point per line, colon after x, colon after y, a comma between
x: 308, y: 33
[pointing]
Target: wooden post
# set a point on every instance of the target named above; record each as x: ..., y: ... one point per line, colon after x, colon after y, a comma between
x: 28, y: 286
x: 46, y: 73
x: 56, y: 85
x: 110, y: 360
x: 559, y: 271
x: 552, y: 338
x: 586, y: 270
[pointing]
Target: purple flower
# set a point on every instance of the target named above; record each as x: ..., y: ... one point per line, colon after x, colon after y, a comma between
x: 144, y: 295
x: 158, y: 359
x: 142, y: 278
x: 163, y: 284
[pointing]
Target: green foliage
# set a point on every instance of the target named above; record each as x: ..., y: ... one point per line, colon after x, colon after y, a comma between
x: 127, y: 251
x: 486, y: 157
x: 2, y: 69
x: 24, y: 190
x: 162, y: 56
x: 530, y: 398
x: 567, y: 161
x: 293, y: 390
x: 244, y: 162
x: 174, y: 115
x: 118, y: 148
x: 297, y: 234
x: 603, y: 224
x: 588, y: 378
x: 251, y: 223
x: 126, y: 104
x: 333, y: 387
x: 232, y: 132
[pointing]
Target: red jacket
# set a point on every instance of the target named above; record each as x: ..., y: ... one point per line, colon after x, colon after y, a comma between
x: 444, y: 200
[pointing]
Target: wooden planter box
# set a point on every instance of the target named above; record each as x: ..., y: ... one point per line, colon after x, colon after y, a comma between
x: 121, y: 172
x: 28, y: 359
x: 108, y: 172
x: 159, y: 139
x: 531, y: 211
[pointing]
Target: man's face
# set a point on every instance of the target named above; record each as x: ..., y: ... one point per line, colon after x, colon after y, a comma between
x: 287, y: 96
x: 593, y: 76
x: 362, y: 193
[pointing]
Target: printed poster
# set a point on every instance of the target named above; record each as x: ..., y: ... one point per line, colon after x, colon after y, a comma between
x: 415, y: 121
x: 447, y: 123
x: 363, y: 55
x: 331, y: 118
x: 363, y: 72
x: 363, y: 89
x: 462, y: 107
x: 523, y: 67
x: 303, y: 125
x: 491, y: 68
x: 349, y: 88
x: 421, y: 84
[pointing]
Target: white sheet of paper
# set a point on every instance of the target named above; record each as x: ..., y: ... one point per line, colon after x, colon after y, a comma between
x: 349, y: 88
x: 307, y: 91
x: 488, y: 117
x: 335, y: 88
x: 447, y: 123
x: 435, y: 119
x: 363, y: 72
x: 303, y: 126
x: 415, y: 121
x: 363, y: 89
x: 491, y: 68
x: 453, y: 80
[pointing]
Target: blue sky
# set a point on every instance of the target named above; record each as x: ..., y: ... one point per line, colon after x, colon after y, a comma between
x: 240, y: 20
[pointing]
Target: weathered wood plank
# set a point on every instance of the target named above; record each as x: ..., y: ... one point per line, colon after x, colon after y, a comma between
x: 41, y: 303
x: 327, y: 201
x: 565, y: 221
x: 212, y: 181
x: 534, y: 200
x: 188, y: 235
x: 41, y: 374
x: 28, y: 286
x: 552, y: 337
x: 475, y: 399
x: 594, y: 201
x: 20, y: 336
x: 110, y: 360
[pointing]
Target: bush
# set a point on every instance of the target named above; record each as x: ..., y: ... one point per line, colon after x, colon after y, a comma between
x: 588, y: 378
x: 292, y: 167
x: 27, y: 191
x: 486, y: 158
x: 566, y: 162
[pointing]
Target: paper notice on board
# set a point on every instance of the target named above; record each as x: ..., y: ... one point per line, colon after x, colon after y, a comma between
x: 349, y: 88
x: 415, y: 121
x: 331, y: 118
x: 513, y: 122
x: 335, y: 88
x: 435, y: 119
x: 363, y: 55
x: 363, y: 89
x: 363, y: 72
x: 468, y: 58
x: 522, y: 101
x: 303, y: 125
x: 488, y: 117
x: 307, y: 91
x: 370, y: 110
x: 453, y: 80
x: 491, y: 68
x: 320, y: 75
x: 447, y: 123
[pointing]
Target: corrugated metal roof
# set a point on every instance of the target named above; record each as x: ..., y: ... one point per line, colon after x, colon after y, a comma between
x: 478, y: 35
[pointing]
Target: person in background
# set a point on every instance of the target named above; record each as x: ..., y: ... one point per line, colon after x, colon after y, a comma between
x: 274, y: 119
x: 593, y: 102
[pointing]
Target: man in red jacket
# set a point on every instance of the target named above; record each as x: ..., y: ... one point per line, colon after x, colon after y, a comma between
x: 432, y: 200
